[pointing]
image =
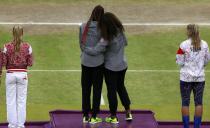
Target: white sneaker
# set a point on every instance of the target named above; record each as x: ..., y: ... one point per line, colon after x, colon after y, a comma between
x: 22, y: 126
x: 11, y: 126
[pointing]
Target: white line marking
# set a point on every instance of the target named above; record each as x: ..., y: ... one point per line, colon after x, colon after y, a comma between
x: 153, y: 70
x: 55, y: 70
x: 40, y: 23
x: 69, y: 70
x: 163, y: 24
x: 126, y: 24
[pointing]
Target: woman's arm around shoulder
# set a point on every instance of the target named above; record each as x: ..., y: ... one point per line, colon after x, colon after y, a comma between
x: 98, y: 49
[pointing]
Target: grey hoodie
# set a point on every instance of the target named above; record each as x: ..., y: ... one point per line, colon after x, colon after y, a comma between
x: 93, y: 37
x: 115, y: 59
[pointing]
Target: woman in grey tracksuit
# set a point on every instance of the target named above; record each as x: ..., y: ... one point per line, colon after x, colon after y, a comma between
x: 112, y: 44
x: 92, y: 67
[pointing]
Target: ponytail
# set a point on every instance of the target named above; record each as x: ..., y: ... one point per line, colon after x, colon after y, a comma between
x: 96, y: 15
x: 193, y: 33
x: 17, y: 37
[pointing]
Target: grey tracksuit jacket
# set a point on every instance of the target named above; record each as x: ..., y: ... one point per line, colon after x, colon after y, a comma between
x: 93, y: 37
x: 114, y: 57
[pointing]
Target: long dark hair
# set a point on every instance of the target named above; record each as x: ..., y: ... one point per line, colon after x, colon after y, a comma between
x: 193, y: 33
x: 96, y: 15
x: 110, y: 26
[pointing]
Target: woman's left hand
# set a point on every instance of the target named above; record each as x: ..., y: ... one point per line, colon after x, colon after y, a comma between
x: 82, y: 46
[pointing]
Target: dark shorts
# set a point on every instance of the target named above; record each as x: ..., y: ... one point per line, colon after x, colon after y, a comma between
x: 187, y: 87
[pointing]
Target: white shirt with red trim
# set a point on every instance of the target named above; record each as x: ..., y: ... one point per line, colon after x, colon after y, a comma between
x: 192, y: 63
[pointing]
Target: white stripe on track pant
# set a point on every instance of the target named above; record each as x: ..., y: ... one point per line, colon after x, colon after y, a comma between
x: 16, y: 95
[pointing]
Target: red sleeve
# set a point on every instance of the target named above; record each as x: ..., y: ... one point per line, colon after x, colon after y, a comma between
x: 180, y: 51
x: 1, y: 62
x: 30, y: 60
x: 29, y: 53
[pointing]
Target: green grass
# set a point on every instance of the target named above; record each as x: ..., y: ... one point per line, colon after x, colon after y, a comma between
x: 148, y: 90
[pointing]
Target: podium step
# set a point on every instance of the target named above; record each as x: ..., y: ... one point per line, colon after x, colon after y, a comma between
x: 43, y: 124
x: 73, y: 119
x: 179, y: 125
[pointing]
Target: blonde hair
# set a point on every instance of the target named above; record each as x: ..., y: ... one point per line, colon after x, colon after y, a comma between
x: 193, y: 33
x: 17, y: 36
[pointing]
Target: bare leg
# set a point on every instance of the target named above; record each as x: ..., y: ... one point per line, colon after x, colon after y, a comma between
x: 199, y: 111
x: 185, y: 111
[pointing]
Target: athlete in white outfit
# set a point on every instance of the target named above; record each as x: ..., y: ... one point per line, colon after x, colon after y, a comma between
x: 192, y: 57
x: 17, y: 56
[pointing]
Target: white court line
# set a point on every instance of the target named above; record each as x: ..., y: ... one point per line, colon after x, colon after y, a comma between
x: 126, y: 24
x: 170, y: 71
x: 164, y: 24
x: 157, y: 71
x: 40, y: 23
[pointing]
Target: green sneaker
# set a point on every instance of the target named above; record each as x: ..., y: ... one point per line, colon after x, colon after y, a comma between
x: 113, y: 120
x: 128, y: 117
x: 85, y: 119
x: 94, y: 120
